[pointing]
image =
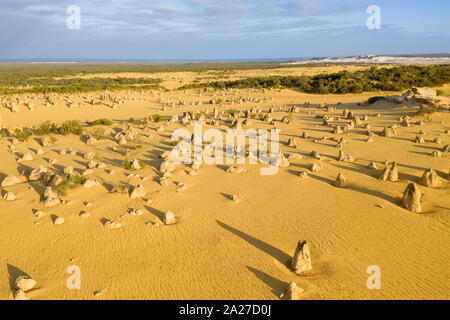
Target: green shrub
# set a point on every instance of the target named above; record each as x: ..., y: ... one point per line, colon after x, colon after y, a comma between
x: 157, y: 118
x: 232, y: 112
x: 126, y: 164
x: 46, y: 128
x: 77, y: 179
x: 61, y: 189
x: 70, y: 126
x: 97, y: 133
x: 102, y: 121
x: 23, y: 135
x: 136, y: 147
x: 374, y: 79
x: 140, y: 121
x: 440, y: 92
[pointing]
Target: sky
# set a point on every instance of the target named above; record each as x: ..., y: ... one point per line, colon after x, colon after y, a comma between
x: 219, y: 30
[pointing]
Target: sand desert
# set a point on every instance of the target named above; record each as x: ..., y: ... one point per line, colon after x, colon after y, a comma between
x: 361, y: 185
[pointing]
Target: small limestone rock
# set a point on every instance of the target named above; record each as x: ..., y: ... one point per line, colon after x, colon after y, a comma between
x: 68, y: 170
x: 138, y: 192
x: 89, y: 156
x: 38, y: 174
x: 430, y: 179
x: 419, y: 139
x: 50, y: 198
x: 20, y: 295
x: 169, y: 218
x: 301, y: 262
x: 373, y: 165
x: 10, y: 181
x: 181, y: 187
x: 91, y: 141
x: 38, y: 214
x: 92, y: 164
x: 84, y: 214
x: 412, y: 197
x: 236, y: 169
x: 316, y: 167
x: 90, y: 183
x: 112, y: 225
x: 58, y: 221
x: 136, y: 212
x: 436, y: 154
x: 316, y: 155
x: 87, y: 172
x: 390, y: 173
x: 98, y: 293
x: 25, y: 283
x: 340, y: 181
x: 27, y: 157
x: 167, y: 166
x: 135, y: 165
x: 292, y: 143
x: 46, y: 142
x: 9, y: 196
x: 294, y: 292
x: 101, y: 165
x: 303, y: 174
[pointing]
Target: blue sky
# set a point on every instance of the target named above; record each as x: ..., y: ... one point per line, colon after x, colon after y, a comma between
x: 216, y: 29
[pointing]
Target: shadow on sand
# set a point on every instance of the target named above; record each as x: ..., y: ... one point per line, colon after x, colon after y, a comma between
x: 278, y: 287
x: 277, y: 254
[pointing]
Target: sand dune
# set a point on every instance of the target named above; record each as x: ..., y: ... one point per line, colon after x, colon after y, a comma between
x: 219, y: 248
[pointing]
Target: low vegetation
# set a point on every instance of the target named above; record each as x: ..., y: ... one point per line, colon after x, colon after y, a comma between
x: 102, y: 122
x: 127, y: 164
x: 371, y: 80
x: 47, y: 84
x: 98, y: 133
x: 23, y: 135
x: 157, y: 118
x: 47, y: 128
x: 69, y: 181
x: 70, y: 127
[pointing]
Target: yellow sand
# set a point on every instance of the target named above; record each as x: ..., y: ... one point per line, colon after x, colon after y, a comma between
x: 225, y: 250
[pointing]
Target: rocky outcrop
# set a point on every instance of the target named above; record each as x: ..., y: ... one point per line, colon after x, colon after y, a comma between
x: 412, y: 197
x: 390, y: 173
x: 138, y: 192
x: 10, y: 181
x: 415, y: 96
x: 340, y: 181
x: 430, y: 179
x: 301, y: 262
